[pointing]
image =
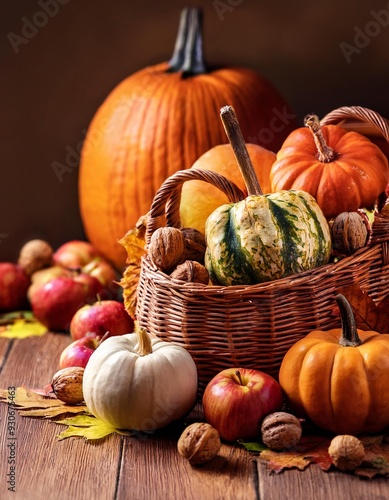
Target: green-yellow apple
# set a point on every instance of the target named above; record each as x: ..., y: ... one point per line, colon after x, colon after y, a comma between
x: 236, y: 401
x: 199, y: 199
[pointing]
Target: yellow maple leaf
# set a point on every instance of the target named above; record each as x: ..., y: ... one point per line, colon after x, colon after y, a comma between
x: 134, y: 242
x: 88, y: 427
x: 20, y: 324
x: 31, y: 404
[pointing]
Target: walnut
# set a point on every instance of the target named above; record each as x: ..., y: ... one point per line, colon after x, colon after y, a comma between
x: 67, y: 385
x: 194, y: 244
x: 35, y: 255
x: 191, y: 271
x: 199, y: 443
x: 349, y: 232
x: 280, y: 430
x: 167, y: 248
x: 347, y: 452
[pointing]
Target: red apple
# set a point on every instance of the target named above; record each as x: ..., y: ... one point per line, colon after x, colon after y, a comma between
x: 75, y: 254
x: 78, y: 352
x: 14, y: 284
x: 54, y: 303
x: 236, y: 401
x: 101, y: 317
x: 83, y: 256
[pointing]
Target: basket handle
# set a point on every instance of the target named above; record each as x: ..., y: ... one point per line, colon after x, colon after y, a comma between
x: 366, y: 121
x: 165, y: 208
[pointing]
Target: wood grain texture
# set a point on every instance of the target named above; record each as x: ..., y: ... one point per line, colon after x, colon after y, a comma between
x: 46, y: 468
x: 315, y: 484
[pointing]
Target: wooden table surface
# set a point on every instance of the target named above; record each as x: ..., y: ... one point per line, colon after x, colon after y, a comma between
x: 120, y: 467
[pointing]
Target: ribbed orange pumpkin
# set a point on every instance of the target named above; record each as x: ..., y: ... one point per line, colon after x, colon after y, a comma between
x: 160, y: 120
x: 343, y: 170
x: 339, y: 378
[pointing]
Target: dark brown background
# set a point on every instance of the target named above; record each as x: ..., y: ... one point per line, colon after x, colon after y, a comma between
x: 51, y: 88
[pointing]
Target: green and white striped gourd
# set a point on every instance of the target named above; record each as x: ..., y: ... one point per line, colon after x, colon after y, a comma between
x: 266, y: 237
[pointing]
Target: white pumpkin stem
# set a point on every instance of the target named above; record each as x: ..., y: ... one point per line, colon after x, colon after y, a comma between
x: 235, y: 136
x: 144, y: 342
x: 325, y: 153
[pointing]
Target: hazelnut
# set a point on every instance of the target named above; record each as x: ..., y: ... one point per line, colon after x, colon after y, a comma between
x: 199, y: 443
x: 166, y: 248
x: 191, y: 271
x: 281, y: 430
x: 194, y: 244
x: 35, y: 255
x: 347, y: 452
x: 67, y: 385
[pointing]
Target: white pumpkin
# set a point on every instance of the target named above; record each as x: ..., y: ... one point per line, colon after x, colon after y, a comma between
x: 136, y: 382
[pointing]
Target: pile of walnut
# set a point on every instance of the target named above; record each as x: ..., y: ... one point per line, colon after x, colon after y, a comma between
x: 280, y: 431
x: 179, y: 253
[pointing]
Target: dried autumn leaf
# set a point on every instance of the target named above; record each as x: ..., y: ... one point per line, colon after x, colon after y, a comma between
x: 134, y: 242
x: 20, y: 324
x: 368, y: 315
x: 310, y: 449
x: 88, y: 427
x: 31, y: 404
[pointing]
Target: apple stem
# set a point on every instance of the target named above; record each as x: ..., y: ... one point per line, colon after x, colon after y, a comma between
x: 104, y: 337
x: 144, y: 342
x: 99, y: 301
x: 238, y: 374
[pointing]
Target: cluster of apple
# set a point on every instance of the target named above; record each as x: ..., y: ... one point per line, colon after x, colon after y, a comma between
x: 55, y: 284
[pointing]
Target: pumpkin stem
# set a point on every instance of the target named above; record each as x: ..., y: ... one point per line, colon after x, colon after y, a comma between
x: 325, y: 153
x: 235, y: 136
x: 350, y: 337
x: 188, y: 50
x: 144, y: 342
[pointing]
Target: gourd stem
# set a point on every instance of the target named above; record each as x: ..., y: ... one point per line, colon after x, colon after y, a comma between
x: 325, y: 153
x: 188, y: 50
x: 144, y: 342
x: 235, y: 136
x: 350, y: 337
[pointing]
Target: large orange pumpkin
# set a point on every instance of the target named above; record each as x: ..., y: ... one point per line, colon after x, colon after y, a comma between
x: 160, y: 120
x: 342, y: 169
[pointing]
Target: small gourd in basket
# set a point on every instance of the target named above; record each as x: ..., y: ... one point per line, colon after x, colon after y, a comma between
x: 263, y: 237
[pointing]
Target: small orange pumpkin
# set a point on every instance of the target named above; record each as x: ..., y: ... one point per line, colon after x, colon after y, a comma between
x: 343, y: 170
x: 160, y: 120
x: 339, y: 378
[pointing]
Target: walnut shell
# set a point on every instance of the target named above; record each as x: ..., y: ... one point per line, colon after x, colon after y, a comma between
x: 280, y: 430
x: 347, y: 452
x: 35, y: 255
x: 167, y: 248
x: 191, y: 271
x: 199, y: 443
x: 194, y: 244
x: 348, y: 232
x: 67, y: 385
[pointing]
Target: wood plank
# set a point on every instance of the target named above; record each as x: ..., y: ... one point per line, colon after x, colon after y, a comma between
x: 46, y: 468
x: 315, y: 484
x: 152, y: 469
x: 5, y: 345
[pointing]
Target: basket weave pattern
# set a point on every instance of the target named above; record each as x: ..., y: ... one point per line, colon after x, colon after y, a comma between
x: 250, y: 326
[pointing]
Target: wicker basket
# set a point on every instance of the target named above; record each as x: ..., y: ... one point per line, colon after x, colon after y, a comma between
x: 252, y: 326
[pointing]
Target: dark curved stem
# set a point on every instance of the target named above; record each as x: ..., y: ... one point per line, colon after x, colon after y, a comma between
x: 188, y: 50
x: 350, y: 337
